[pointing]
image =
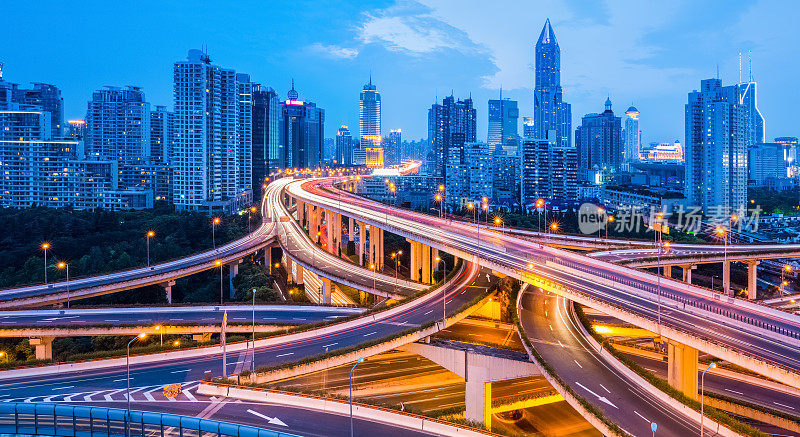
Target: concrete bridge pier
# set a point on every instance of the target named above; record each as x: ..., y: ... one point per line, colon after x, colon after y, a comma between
x: 668, y: 271
x: 415, y: 260
x: 362, y: 242
x: 686, y: 269
x: 350, y: 234
x: 682, y: 368
x: 168, y: 289
x: 44, y: 347
x: 752, y: 276
x: 233, y: 269
x: 376, y: 247
x: 329, y: 227
x: 426, y: 264
x: 202, y: 338
x: 327, y: 290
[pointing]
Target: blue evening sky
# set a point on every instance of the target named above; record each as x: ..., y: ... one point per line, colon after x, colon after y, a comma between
x: 646, y: 53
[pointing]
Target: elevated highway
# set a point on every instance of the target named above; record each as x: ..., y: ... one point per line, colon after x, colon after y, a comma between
x: 760, y: 339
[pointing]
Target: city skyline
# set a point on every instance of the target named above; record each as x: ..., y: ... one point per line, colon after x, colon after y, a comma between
x: 648, y: 68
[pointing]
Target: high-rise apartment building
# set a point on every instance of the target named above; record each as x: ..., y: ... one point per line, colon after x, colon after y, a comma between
x: 550, y: 112
x: 392, y: 144
x: 503, y: 125
x: 469, y: 174
x: 632, y: 135
x: 118, y: 125
x: 767, y: 161
x: 162, y: 134
x: 267, y: 148
x: 204, y: 158
x: 42, y: 97
x: 343, y: 155
x: 244, y: 133
x: 302, y: 132
x: 549, y: 170
x: 451, y: 124
x: 597, y: 140
x: 715, y: 149
x: 528, y: 127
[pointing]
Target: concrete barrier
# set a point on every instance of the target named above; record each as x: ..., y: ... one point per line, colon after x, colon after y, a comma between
x: 637, y: 379
x: 342, y: 408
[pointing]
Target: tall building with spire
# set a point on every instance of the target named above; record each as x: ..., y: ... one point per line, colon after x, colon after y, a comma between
x: 503, y: 125
x: 369, y: 115
x: 550, y: 112
x: 302, y: 132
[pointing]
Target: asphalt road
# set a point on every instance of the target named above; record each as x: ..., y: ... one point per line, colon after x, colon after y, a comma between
x: 237, y: 314
x: 148, y: 379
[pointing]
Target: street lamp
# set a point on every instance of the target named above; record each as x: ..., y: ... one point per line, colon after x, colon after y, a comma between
x: 219, y: 264
x: 439, y: 259
x: 499, y: 222
x: 439, y: 200
x: 360, y: 359
x: 600, y: 212
x: 485, y: 201
x: 161, y: 332
x: 396, y: 257
x: 554, y: 227
x: 721, y: 232
x: 3, y: 355
x: 148, y: 236
x: 214, y: 224
x: 786, y: 269
x: 661, y: 246
x: 374, y: 274
x: 63, y: 265
x: 702, y: 393
x: 128, y: 379
x: 45, y: 246
x: 250, y: 213
x: 441, y: 197
x: 609, y: 220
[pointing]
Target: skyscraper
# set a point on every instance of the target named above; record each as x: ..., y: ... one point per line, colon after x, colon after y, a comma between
x: 598, y: 143
x: 344, y: 147
x: 391, y: 147
x: 266, y: 134
x: 451, y: 124
x: 754, y: 124
x: 161, y: 134
x: 244, y: 132
x: 118, y: 125
x: 503, y: 124
x: 206, y: 137
x: 716, y: 148
x: 549, y: 170
x: 632, y: 136
x: 302, y: 132
x: 549, y: 111
x: 369, y: 116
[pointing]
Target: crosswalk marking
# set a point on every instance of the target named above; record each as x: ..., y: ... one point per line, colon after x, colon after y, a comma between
x: 148, y: 393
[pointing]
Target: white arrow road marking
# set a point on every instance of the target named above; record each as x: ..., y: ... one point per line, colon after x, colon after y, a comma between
x: 601, y: 398
x: 272, y: 420
x: 645, y: 419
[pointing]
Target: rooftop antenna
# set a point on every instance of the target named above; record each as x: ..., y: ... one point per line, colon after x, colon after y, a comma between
x: 717, y: 71
x: 740, y: 68
x: 750, y: 64
x: 370, y: 77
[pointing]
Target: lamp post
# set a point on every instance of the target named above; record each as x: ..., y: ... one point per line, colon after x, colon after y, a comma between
x: 351, y: 393
x: 499, y: 222
x: 439, y: 259
x: 724, y: 234
x: 609, y: 220
x: 396, y: 257
x: 661, y: 246
x: 250, y: 213
x: 148, y: 236
x: 485, y: 201
x: 600, y: 212
x: 439, y: 201
x: 214, y: 224
x: 45, y: 246
x: 219, y: 264
x: 786, y: 269
x: 65, y: 266
x: 702, y: 393
x: 161, y: 332
x: 374, y: 274
x: 128, y: 380
x: 442, y: 196
x: 253, y: 361
x: 540, y: 203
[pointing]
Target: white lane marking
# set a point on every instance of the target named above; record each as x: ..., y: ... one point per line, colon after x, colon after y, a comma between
x: 428, y: 312
x: 734, y: 391
x: 579, y: 364
x: 179, y: 371
x: 604, y: 388
x: 272, y: 420
x: 189, y: 395
x: 782, y: 405
x: 645, y: 419
x: 62, y: 388
x: 120, y: 380
x: 559, y: 342
x: 551, y: 326
x: 601, y: 398
x: 111, y: 320
x: 371, y: 333
x: 332, y: 344
x: 284, y: 355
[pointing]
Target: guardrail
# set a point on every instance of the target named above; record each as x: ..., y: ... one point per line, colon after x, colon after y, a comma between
x: 72, y: 420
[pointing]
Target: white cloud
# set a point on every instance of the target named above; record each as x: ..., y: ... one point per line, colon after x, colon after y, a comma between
x: 410, y: 28
x: 334, y: 51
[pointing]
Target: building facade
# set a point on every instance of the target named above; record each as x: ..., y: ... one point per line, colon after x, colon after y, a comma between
x: 267, y: 148
x: 549, y: 170
x: 503, y: 125
x: 632, y: 136
x: 716, y: 148
x: 118, y: 125
x: 451, y: 124
x: 162, y: 134
x: 343, y: 155
x: 550, y: 112
x: 598, y: 144
x: 302, y: 132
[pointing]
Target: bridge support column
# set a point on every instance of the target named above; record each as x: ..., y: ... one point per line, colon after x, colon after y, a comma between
x: 376, y: 247
x: 478, y: 397
x: 668, y: 271
x: 300, y: 212
x: 415, y: 260
x: 44, y: 347
x: 168, y: 289
x: 327, y: 290
x: 202, y: 338
x: 234, y: 270
x: 682, y: 368
x: 687, y: 273
x: 434, y: 254
x: 726, y: 278
x: 362, y: 242
x: 426, y: 264
x: 287, y: 263
x: 350, y: 234
x: 752, y: 276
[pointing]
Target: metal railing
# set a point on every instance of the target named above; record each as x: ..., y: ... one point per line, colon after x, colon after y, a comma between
x: 72, y: 421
